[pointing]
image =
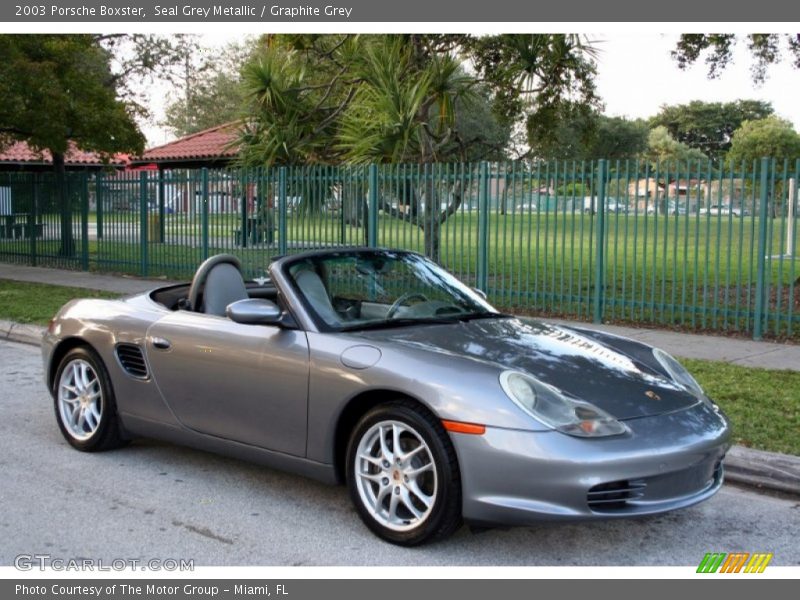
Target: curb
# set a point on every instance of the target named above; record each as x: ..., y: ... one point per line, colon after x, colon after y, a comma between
x: 21, y: 332
x: 763, y: 470
x: 755, y: 468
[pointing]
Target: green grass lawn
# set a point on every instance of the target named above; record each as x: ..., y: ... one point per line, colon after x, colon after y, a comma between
x: 37, y: 302
x: 763, y: 404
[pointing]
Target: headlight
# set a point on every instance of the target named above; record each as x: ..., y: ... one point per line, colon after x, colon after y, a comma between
x: 682, y: 377
x: 551, y: 407
x: 678, y: 373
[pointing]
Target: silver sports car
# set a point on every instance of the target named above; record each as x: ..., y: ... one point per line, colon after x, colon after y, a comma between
x: 380, y: 369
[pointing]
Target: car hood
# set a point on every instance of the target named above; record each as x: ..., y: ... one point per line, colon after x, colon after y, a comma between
x: 585, y: 368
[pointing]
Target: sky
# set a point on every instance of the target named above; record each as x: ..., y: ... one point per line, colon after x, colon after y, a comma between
x: 636, y: 75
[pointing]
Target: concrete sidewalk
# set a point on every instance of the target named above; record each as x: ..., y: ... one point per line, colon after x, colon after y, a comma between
x: 767, y: 355
x: 80, y: 279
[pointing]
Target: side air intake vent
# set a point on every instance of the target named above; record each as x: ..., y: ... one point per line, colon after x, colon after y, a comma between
x: 132, y: 360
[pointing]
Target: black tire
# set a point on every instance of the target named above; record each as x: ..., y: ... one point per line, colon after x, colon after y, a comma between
x: 444, y: 515
x: 107, y: 435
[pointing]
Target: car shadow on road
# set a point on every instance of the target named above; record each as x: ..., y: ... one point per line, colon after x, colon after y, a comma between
x: 254, y: 515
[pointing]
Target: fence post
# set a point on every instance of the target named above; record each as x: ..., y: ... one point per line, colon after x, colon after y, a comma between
x: 372, y: 217
x: 143, y: 250
x: 282, y: 242
x: 243, y: 183
x: 34, y: 217
x: 600, y: 243
x: 162, y: 208
x: 761, y: 257
x: 790, y: 213
x: 204, y: 210
x: 85, y: 222
x: 98, y: 194
x: 345, y: 200
x: 483, y: 228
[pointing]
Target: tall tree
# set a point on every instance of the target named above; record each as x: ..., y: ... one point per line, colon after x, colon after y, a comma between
x: 765, y: 48
x: 772, y: 137
x: 59, y: 90
x: 618, y: 138
x: 390, y: 98
x: 663, y: 148
x: 573, y: 130
x: 709, y: 126
x: 543, y: 77
x: 587, y: 135
x: 137, y: 60
x: 478, y: 134
x: 209, y: 89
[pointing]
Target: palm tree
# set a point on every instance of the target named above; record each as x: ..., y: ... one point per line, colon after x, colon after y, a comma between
x: 404, y: 112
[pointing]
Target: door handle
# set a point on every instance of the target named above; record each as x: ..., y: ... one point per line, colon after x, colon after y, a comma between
x: 161, y: 343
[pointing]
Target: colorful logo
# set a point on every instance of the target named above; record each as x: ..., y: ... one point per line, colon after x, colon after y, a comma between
x: 736, y: 562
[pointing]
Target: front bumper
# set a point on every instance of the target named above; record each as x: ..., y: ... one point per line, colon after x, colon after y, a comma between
x: 666, y: 462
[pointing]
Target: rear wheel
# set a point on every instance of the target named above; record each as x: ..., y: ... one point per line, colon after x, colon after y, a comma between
x: 403, y: 474
x: 85, y: 407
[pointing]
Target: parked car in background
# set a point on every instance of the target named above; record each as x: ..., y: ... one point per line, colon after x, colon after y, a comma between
x: 152, y: 206
x: 615, y: 206
x: 721, y: 210
x: 612, y: 205
x: 678, y: 210
x: 673, y: 208
x: 526, y: 207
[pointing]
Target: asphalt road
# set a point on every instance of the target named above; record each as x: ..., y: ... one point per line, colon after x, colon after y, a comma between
x: 154, y: 500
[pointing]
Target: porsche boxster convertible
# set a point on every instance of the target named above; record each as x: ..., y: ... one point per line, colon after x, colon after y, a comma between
x: 380, y: 369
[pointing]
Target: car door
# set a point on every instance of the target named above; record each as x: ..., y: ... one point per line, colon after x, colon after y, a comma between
x: 247, y: 383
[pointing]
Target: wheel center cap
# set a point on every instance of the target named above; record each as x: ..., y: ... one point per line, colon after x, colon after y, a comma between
x: 396, y: 475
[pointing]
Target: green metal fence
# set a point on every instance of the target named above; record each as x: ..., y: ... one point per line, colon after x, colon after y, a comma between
x: 690, y: 245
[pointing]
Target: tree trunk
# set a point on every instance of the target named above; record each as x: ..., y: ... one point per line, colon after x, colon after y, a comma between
x: 504, y: 196
x: 410, y: 199
x: 432, y: 239
x: 364, y: 211
x: 353, y: 205
x: 430, y: 224
x: 67, y: 247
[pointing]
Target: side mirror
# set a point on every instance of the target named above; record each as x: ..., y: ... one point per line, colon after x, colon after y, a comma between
x: 254, y: 311
x: 480, y: 292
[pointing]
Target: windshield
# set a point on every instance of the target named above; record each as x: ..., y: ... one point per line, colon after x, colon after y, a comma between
x: 363, y: 290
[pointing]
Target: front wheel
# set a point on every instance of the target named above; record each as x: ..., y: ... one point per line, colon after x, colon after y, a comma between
x: 403, y: 474
x: 85, y: 407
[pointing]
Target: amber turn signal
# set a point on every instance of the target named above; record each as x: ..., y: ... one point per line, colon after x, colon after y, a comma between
x: 459, y: 427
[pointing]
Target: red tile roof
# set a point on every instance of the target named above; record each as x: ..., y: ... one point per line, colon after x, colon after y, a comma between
x: 21, y: 152
x: 217, y: 142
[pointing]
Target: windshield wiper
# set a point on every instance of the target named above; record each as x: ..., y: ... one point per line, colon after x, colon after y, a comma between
x: 483, y: 315
x: 390, y: 323
x: 404, y: 322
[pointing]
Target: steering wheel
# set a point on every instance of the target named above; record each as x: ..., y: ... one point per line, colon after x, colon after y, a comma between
x: 203, y: 270
x: 402, y: 300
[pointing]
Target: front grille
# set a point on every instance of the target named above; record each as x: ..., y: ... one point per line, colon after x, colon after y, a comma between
x: 614, y: 495
x: 132, y: 360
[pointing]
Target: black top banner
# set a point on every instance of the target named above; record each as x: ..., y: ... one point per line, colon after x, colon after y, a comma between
x: 465, y: 11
